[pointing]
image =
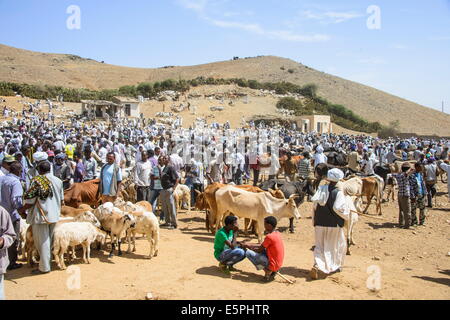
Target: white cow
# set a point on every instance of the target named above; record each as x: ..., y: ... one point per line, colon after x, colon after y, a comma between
x: 255, y: 206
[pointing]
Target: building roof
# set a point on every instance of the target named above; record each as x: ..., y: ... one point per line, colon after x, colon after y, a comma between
x: 100, y: 103
x: 125, y: 99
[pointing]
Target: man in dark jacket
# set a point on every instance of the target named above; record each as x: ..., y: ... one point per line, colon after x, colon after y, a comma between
x: 169, y: 182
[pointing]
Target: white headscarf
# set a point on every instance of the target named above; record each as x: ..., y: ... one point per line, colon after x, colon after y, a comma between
x: 335, y: 175
x: 40, y: 156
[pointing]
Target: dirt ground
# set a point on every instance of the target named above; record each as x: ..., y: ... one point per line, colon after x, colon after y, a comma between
x: 414, y: 264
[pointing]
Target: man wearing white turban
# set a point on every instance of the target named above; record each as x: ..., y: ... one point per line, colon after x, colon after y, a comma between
x: 38, y: 157
x: 319, y: 156
x: 330, y: 213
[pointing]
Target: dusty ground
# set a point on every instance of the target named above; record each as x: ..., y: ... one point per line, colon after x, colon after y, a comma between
x: 414, y: 265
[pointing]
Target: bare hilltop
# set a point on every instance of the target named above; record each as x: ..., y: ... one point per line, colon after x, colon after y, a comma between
x: 23, y: 66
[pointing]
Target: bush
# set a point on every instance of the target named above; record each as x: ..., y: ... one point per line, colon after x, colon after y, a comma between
x: 289, y: 103
x: 390, y: 130
x: 128, y: 91
x: 291, y: 70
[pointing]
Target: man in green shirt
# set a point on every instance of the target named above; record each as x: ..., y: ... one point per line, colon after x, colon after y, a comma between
x: 226, y: 249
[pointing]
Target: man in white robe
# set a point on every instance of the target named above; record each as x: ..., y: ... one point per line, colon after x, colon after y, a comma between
x: 330, y: 212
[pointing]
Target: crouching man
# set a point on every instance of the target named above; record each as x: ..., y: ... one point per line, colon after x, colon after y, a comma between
x: 226, y: 249
x: 268, y: 255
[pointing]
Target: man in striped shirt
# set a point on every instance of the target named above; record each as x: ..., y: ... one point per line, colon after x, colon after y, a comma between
x: 304, y: 166
x: 405, y: 180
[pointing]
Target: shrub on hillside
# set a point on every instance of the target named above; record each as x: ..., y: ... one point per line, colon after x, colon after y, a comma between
x: 289, y: 103
x: 390, y: 130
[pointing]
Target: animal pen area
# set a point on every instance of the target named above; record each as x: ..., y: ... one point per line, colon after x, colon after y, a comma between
x: 412, y: 264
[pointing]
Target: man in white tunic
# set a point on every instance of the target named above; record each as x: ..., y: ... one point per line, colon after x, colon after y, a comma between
x: 44, y: 197
x: 330, y: 213
x: 319, y: 156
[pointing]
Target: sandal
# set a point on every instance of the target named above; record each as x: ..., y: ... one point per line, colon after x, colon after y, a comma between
x: 314, y: 273
x: 224, y: 269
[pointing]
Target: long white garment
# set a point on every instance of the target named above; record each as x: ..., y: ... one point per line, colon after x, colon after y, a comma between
x: 330, y: 249
x: 330, y: 245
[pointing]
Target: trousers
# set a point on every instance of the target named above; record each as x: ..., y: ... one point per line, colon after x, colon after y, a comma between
x: 153, y: 197
x: 420, y: 204
x: 143, y: 194
x: 43, y: 240
x: 260, y: 260
x: 232, y: 256
x: 168, y: 206
x: 431, y: 192
x: 404, y: 205
x: 12, y: 250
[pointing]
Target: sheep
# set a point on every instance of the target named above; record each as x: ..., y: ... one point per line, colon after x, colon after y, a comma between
x: 72, y: 234
x: 146, y: 223
x: 116, y: 223
x: 182, y: 194
x: 29, y: 251
x: 22, y: 236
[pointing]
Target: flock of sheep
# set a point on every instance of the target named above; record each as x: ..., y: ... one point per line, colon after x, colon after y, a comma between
x: 85, y: 226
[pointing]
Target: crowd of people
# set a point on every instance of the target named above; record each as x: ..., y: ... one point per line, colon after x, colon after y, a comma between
x: 41, y: 158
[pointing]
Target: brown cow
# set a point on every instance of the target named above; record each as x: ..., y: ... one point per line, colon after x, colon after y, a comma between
x: 84, y: 192
x: 207, y: 201
x: 373, y: 186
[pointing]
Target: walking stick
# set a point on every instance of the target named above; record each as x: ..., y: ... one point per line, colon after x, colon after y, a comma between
x: 290, y: 281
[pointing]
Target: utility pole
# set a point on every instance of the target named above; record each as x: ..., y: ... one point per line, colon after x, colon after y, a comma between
x: 442, y: 106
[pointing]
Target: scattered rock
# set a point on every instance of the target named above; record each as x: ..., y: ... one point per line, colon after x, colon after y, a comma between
x: 448, y: 254
x: 414, y: 232
x: 149, y: 296
x: 387, y: 254
x: 376, y: 258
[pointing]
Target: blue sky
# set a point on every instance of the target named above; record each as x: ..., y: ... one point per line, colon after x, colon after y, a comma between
x: 408, y: 56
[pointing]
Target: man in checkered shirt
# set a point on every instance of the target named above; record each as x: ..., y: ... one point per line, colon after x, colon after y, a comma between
x: 406, y: 182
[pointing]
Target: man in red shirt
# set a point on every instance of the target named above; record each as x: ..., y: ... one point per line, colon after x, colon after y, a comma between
x: 270, y: 254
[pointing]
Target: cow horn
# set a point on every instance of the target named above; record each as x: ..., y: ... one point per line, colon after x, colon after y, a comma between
x: 294, y: 196
x: 276, y: 186
x: 198, y: 192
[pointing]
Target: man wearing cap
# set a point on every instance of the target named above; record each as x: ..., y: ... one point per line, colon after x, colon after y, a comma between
x: 7, y: 160
x: 330, y: 213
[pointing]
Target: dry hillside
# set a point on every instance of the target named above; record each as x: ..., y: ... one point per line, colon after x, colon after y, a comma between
x: 17, y: 65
